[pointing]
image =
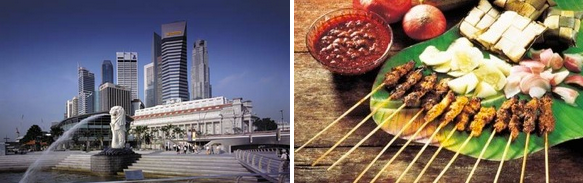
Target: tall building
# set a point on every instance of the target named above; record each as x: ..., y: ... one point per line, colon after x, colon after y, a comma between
x: 114, y: 95
x: 200, y: 72
x: 106, y: 72
x: 72, y: 107
x: 157, y: 59
x: 149, y: 85
x: 127, y: 71
x: 174, y: 65
x: 86, y: 89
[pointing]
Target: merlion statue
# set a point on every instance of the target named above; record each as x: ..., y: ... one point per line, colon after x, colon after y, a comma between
x: 118, y: 127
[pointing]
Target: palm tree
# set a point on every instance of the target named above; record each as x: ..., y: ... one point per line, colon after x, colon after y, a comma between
x: 166, y: 129
x: 139, y: 131
x: 179, y: 131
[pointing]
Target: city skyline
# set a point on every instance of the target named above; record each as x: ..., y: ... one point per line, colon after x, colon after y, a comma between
x: 60, y: 36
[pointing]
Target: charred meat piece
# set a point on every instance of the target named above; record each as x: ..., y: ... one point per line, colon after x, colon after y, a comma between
x: 530, y: 115
x: 434, y: 96
x: 413, y: 78
x: 419, y: 90
x: 504, y: 114
x: 468, y: 111
x: 392, y: 78
x: 438, y: 109
x: 484, y: 117
x: 546, y: 121
x: 454, y: 109
x: 515, y: 123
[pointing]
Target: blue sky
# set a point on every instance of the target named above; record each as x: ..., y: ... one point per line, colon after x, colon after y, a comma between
x: 41, y: 43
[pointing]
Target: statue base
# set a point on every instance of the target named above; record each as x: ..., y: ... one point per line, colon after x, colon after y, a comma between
x: 112, y: 160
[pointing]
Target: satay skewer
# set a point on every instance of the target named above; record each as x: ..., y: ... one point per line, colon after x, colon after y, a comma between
x: 461, y: 122
x: 530, y: 116
x: 514, y: 127
x: 391, y: 79
x: 485, y: 116
x: 546, y: 125
x: 411, y: 99
x: 455, y: 110
x: 413, y: 78
x: 503, y: 116
x: 431, y: 115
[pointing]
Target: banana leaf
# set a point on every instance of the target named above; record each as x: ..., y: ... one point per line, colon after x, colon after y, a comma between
x: 568, y: 118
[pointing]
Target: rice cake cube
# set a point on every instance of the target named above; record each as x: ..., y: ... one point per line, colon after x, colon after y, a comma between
x: 474, y: 16
x: 484, y: 5
x: 512, y: 33
x: 503, y: 44
x: 489, y: 38
x: 520, y: 22
x: 567, y: 13
x: 527, y: 38
x: 486, y: 22
x: 566, y: 33
x: 536, y: 28
x: 552, y: 22
x: 500, y: 3
x: 494, y: 13
x: 537, y: 3
x: 527, y: 10
x: 468, y: 30
x: 515, y: 53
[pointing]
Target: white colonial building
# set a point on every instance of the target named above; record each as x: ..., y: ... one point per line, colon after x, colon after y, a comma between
x: 211, y: 116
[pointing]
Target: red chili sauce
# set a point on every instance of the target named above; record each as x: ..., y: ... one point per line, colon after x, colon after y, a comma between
x: 351, y: 42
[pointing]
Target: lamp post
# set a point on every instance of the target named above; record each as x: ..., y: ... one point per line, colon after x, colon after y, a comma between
x: 283, y: 124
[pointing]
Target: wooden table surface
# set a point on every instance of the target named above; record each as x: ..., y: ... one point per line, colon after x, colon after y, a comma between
x: 320, y: 97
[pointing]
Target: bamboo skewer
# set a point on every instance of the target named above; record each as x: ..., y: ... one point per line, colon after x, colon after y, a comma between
x: 480, y: 157
x: 503, y: 159
x: 349, y: 133
x: 341, y: 116
x: 400, y: 150
x: 524, y: 158
x: 453, y: 159
x: 366, y: 137
x: 547, y: 157
x: 387, y: 146
x: 433, y: 157
x: 420, y: 152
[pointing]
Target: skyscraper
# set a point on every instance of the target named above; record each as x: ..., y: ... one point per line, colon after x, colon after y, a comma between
x: 174, y: 66
x: 86, y: 89
x: 200, y: 72
x: 149, y: 85
x: 114, y: 95
x: 157, y: 59
x: 127, y: 71
x: 72, y: 107
x: 106, y: 72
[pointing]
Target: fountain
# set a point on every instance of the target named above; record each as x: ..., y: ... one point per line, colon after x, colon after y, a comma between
x: 34, y: 168
x: 114, y: 159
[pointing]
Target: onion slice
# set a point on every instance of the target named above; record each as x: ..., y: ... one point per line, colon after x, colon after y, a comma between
x: 535, y: 66
x: 575, y: 79
x: 533, y: 80
x: 567, y: 94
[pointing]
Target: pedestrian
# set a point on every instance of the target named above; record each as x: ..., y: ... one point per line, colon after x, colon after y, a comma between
x: 218, y: 150
x: 177, y: 149
x: 285, y: 159
x: 207, y: 150
x: 185, y: 147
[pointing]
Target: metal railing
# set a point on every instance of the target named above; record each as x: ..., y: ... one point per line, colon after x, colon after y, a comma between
x: 262, y: 164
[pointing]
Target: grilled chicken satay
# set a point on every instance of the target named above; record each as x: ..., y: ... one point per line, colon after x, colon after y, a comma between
x: 420, y: 89
x: 484, y: 117
x: 438, y: 109
x: 530, y: 115
x: 504, y: 114
x: 468, y: 111
x: 412, y: 78
x: 392, y: 78
x: 434, y: 96
x: 515, y: 123
x: 546, y: 121
x: 546, y: 124
x: 454, y: 110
